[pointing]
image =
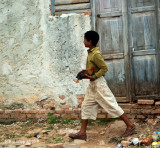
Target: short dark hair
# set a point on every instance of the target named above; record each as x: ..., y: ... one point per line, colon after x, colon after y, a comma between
x: 92, y: 36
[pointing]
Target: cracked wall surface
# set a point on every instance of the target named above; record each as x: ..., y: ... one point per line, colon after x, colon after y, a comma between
x: 40, y: 54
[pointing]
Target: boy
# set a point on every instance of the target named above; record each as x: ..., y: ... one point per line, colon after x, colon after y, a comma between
x: 98, y: 92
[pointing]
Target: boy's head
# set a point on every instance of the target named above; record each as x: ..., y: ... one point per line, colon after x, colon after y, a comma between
x: 92, y: 36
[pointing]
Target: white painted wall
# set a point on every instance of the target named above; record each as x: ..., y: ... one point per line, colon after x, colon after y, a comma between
x: 40, y: 54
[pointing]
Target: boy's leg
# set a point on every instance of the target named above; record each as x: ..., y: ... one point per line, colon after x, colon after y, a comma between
x: 107, y: 101
x: 82, y: 133
x: 83, y: 126
x: 130, y: 126
x: 88, y: 110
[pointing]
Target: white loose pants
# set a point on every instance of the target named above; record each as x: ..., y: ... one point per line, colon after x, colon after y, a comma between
x: 99, y: 94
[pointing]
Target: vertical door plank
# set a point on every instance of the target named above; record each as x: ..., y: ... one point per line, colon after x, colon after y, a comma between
x: 158, y: 42
x: 126, y: 47
x: 93, y: 10
x: 52, y: 7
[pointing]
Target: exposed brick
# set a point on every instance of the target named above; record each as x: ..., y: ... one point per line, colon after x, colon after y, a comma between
x: 125, y: 105
x: 101, y: 116
x: 157, y: 103
x: 5, y: 116
x: 56, y: 115
x: 126, y: 110
x: 74, y: 116
x: 142, y: 106
x: 156, y: 111
x: 2, y: 111
x: 109, y: 116
x: 15, y: 115
x: 135, y: 111
x: 87, y: 13
x: 64, y: 107
x: 49, y: 111
x: 141, y: 116
x: 131, y: 116
x: 24, y: 111
x: 41, y: 111
x: 30, y: 116
x: 77, y: 111
x: 141, y: 101
x: 64, y: 116
x: 146, y: 111
x: 20, y: 119
x: 8, y: 111
x: 59, y: 111
x: 37, y: 116
x: 32, y: 111
x: 18, y: 116
x: 151, y: 116
x: 41, y: 116
x: 158, y: 117
x: 62, y: 97
x: 48, y: 106
x: 68, y: 111
x: 99, y: 111
x: 103, y: 111
x: 17, y: 111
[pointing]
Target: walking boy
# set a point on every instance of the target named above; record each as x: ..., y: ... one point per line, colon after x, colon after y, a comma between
x: 98, y: 92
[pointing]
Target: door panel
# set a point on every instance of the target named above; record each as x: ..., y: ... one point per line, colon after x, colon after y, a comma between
x: 110, y: 5
x: 144, y: 30
x: 116, y: 77
x: 145, y: 75
x: 141, y: 3
x: 111, y: 38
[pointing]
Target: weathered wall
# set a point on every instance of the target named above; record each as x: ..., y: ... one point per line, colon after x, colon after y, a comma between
x: 40, y: 54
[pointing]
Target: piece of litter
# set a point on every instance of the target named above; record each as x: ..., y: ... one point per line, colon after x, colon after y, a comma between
x: 118, y: 145
x: 101, y: 143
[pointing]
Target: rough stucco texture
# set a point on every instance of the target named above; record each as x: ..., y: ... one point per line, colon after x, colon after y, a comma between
x: 40, y: 54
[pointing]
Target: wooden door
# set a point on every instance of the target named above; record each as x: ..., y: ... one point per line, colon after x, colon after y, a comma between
x: 143, y: 27
x: 129, y: 44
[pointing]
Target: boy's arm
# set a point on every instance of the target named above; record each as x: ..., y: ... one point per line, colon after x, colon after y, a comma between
x: 99, y: 61
x: 101, y: 64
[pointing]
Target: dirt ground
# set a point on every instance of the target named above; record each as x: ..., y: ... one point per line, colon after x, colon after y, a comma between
x: 45, y: 134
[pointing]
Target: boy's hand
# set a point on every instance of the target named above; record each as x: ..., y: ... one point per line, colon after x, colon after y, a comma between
x: 76, y: 81
x: 88, y: 77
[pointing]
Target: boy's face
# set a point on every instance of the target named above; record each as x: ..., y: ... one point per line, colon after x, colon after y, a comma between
x: 87, y: 43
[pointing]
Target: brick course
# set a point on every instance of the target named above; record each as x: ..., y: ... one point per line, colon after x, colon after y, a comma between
x: 145, y: 101
x: 142, y: 110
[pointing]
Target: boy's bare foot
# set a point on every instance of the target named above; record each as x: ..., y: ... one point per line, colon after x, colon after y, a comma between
x: 129, y: 131
x: 76, y: 81
x: 78, y: 136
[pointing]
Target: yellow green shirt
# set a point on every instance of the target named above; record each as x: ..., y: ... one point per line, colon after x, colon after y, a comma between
x: 96, y: 60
